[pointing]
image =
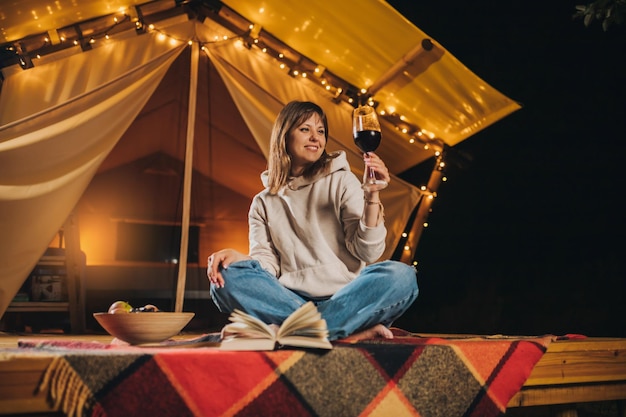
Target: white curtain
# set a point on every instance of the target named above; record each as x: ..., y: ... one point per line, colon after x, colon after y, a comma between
x: 58, y: 121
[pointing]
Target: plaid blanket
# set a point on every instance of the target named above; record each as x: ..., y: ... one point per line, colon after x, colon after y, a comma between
x: 407, y: 375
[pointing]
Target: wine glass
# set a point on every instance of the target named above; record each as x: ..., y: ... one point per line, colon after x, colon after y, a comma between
x: 366, y: 132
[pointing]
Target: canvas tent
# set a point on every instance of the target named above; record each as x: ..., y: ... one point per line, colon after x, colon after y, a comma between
x: 89, y: 91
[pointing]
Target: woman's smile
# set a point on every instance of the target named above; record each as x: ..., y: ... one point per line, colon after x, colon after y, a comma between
x: 305, y: 144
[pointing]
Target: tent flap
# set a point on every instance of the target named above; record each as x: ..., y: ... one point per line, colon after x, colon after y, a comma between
x: 47, y: 161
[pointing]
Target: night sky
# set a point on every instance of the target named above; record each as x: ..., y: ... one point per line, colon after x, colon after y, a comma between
x: 527, y: 235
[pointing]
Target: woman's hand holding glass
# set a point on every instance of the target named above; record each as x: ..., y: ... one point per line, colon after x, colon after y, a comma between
x: 374, y: 166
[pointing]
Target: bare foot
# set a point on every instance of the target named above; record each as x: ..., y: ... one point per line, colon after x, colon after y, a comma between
x: 373, y: 332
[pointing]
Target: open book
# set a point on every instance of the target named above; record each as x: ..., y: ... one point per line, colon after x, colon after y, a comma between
x: 305, y: 328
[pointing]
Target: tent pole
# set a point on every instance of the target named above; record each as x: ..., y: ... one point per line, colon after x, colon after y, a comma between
x: 424, y: 46
x: 191, y: 120
x: 424, y: 208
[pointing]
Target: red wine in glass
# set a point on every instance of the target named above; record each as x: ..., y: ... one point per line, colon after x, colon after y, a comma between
x: 367, y: 136
x: 367, y: 140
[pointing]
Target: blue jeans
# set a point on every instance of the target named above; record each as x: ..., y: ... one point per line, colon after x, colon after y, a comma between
x: 381, y: 293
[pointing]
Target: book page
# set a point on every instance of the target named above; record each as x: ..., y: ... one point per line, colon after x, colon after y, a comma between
x: 248, y: 326
x: 306, y: 342
x: 305, y: 327
x: 306, y: 316
x: 242, y: 343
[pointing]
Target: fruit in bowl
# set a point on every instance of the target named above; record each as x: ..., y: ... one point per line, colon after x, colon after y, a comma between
x: 141, y: 325
x: 124, y: 307
x: 120, y: 307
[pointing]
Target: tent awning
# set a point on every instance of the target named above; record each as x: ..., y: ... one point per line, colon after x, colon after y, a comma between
x: 70, y: 91
x: 353, y: 45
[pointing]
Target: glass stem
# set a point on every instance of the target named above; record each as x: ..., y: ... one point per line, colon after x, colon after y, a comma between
x: 372, y: 175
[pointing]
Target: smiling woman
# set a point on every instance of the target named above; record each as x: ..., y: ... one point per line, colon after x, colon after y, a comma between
x: 306, y: 144
x: 315, y: 235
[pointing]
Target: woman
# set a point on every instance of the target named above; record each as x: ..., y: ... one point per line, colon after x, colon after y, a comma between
x: 313, y: 231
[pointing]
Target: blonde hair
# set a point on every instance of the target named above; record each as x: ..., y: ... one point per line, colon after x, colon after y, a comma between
x: 279, y: 162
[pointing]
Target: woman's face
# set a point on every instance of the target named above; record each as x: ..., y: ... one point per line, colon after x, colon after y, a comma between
x: 306, y: 143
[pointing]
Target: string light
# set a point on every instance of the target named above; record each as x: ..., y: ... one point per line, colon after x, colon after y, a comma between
x: 252, y: 34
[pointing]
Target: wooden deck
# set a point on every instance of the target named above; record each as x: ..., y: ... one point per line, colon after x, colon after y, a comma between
x: 571, y: 372
x: 577, y: 371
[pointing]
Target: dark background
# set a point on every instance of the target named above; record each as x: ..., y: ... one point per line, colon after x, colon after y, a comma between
x: 528, y: 236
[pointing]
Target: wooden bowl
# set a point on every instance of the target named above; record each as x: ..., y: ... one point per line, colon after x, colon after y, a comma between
x: 139, y: 328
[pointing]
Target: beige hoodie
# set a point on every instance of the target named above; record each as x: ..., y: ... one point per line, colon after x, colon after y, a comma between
x: 310, y: 235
